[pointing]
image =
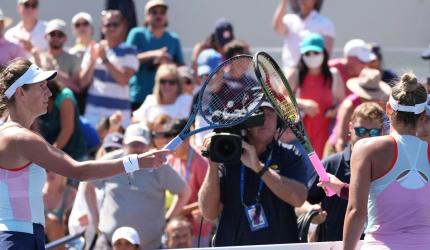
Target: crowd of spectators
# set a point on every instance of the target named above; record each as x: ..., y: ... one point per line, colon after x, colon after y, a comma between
x: 131, y: 91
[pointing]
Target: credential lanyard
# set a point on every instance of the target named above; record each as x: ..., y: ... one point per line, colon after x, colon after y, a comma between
x: 260, y: 185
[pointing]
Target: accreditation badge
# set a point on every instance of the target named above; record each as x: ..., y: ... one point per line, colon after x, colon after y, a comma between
x: 256, y: 217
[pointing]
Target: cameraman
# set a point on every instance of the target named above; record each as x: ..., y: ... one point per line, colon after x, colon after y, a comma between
x: 255, y: 199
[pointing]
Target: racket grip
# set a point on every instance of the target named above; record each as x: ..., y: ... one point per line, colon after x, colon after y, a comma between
x: 319, y: 168
x: 174, y: 143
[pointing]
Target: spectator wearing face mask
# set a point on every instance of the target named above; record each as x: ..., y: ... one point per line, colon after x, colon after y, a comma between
x: 319, y: 89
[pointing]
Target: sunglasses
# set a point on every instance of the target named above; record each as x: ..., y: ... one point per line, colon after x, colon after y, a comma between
x: 111, y: 24
x: 83, y: 24
x: 309, y: 53
x: 157, y: 135
x: 160, y: 12
x: 372, y: 132
x: 57, y: 34
x: 169, y: 81
x: 29, y: 5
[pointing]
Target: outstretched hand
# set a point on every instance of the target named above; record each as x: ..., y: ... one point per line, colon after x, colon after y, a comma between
x: 334, y: 183
x: 153, y: 158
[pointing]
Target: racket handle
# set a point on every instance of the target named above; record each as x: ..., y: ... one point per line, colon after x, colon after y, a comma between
x: 174, y: 143
x: 319, y: 168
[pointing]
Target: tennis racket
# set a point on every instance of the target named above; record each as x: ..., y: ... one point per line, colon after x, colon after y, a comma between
x: 280, y: 95
x: 229, y: 96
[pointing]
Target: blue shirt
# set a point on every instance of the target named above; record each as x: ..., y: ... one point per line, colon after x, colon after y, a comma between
x: 233, y: 228
x: 142, y: 83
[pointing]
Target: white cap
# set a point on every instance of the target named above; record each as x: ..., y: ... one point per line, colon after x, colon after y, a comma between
x: 6, y: 20
x: 55, y: 24
x: 359, y: 49
x: 127, y: 233
x: 137, y: 133
x: 83, y: 15
x: 33, y: 75
x: 203, y: 70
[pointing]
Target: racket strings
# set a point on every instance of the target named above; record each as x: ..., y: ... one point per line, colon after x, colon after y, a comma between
x: 232, y: 92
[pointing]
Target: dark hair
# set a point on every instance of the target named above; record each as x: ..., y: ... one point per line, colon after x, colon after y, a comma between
x: 408, y: 91
x: 9, y: 73
x: 325, y: 69
x: 235, y: 47
x: 54, y: 88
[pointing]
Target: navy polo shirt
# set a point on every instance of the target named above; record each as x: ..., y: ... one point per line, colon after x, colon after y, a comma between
x: 338, y: 165
x: 233, y: 228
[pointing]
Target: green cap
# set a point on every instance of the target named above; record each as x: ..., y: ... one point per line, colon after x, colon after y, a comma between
x: 312, y: 42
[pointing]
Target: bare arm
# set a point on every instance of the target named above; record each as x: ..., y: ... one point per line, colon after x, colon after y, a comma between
x: 179, y: 202
x: 121, y: 75
x: 210, y: 194
x: 152, y: 54
x: 34, y: 148
x: 67, y: 123
x: 356, y: 211
x: 344, y: 116
x: 86, y: 74
x: 277, y: 23
x: 71, y: 82
x: 91, y: 199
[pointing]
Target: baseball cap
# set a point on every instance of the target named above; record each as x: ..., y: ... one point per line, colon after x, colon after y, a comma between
x: 113, y: 140
x: 152, y: 3
x: 24, y: 1
x: 137, y: 133
x: 359, y: 49
x: 82, y: 15
x: 209, y: 57
x: 127, y: 233
x: 55, y: 24
x: 312, y: 42
x: 33, y: 75
x: 185, y: 72
x: 6, y: 20
x: 223, y: 32
x: 266, y: 104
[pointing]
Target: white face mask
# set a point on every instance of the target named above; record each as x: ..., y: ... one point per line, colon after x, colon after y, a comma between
x: 313, y: 61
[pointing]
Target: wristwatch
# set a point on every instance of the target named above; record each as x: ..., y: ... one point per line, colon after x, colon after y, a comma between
x: 262, y: 171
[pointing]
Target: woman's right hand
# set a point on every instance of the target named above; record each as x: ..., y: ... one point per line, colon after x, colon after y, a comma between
x: 334, y: 183
x: 153, y: 158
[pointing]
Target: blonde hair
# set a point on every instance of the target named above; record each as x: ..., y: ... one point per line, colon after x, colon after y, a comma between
x: 408, y: 91
x: 369, y: 110
x: 9, y: 73
x: 162, y: 71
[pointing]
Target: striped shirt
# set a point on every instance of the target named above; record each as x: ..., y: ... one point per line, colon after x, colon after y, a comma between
x: 105, y: 95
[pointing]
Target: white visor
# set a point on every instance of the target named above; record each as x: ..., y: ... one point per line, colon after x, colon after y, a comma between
x: 33, y: 75
x: 416, y: 109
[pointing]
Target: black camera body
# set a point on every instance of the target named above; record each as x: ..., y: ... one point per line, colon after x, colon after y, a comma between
x: 226, y: 144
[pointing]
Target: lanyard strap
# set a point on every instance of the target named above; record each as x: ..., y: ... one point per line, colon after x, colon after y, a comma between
x: 260, y: 184
x: 187, y: 165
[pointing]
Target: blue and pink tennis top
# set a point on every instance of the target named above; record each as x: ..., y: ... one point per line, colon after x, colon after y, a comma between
x: 399, y: 201
x: 21, y: 198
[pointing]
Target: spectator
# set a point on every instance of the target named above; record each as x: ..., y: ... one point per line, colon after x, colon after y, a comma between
x: 160, y: 130
x: 356, y: 56
x: 390, y: 176
x: 9, y: 50
x: 60, y: 126
x: 424, y: 131
x: 125, y: 238
x: 127, y: 9
x: 179, y: 234
x: 29, y: 32
x: 167, y: 97
x: 106, y: 68
x: 111, y: 142
x: 137, y: 200
x: 192, y: 167
x: 111, y: 124
x: 311, y: 80
x: 186, y: 80
x: 366, y: 121
x: 83, y: 30
x: 66, y: 65
x: 58, y: 199
x: 388, y: 75
x: 155, y: 46
x: 222, y: 34
x: 367, y: 87
x: 294, y: 27
x: 255, y: 202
